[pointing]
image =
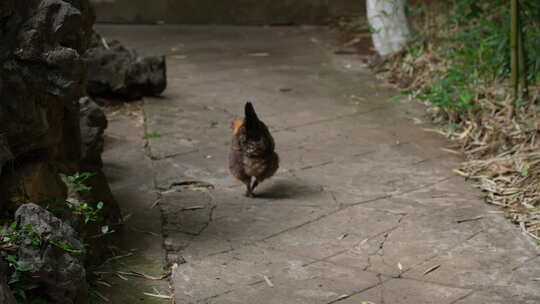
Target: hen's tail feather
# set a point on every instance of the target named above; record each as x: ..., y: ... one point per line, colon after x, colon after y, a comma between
x: 251, y: 121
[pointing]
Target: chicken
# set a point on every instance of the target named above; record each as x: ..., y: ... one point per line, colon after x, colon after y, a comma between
x: 252, y: 158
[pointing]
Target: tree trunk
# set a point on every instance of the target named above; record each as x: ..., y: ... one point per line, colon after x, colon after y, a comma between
x: 388, y: 23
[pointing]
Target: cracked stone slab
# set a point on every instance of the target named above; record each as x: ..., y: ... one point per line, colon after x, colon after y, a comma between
x: 403, y: 291
x: 256, y: 275
x: 384, y: 172
x: 452, y: 192
x: 236, y: 220
x: 218, y: 274
x: 483, y: 260
x: 500, y: 295
x: 207, y: 165
x: 172, y: 130
x: 417, y: 239
x: 317, y: 283
x: 331, y: 234
x: 187, y: 211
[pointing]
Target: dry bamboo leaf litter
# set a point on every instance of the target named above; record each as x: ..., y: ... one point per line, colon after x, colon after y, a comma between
x: 158, y: 295
x: 102, y: 297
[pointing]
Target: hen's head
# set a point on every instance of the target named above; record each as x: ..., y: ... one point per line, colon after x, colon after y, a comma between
x: 236, y: 124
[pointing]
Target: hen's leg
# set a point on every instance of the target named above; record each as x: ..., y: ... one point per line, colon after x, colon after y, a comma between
x: 255, y: 184
x: 249, y: 189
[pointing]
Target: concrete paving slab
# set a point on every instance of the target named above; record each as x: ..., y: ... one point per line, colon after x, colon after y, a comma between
x: 402, y: 291
x: 500, y: 295
x: 334, y: 233
x: 318, y: 283
x: 139, y: 243
x: 231, y: 270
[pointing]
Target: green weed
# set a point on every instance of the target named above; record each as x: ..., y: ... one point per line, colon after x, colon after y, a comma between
x: 152, y: 135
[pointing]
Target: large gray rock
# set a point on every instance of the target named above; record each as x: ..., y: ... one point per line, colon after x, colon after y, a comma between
x: 42, y: 73
x: 6, y: 297
x: 93, y: 123
x: 117, y: 72
x: 61, y: 272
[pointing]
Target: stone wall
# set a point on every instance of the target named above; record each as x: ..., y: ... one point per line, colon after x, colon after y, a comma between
x: 42, y: 78
x: 226, y: 11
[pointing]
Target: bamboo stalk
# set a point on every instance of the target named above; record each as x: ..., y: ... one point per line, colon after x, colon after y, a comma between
x: 514, y: 78
x: 523, y: 87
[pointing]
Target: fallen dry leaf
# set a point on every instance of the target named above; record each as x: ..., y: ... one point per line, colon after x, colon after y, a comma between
x: 470, y: 219
x: 431, y: 269
x: 262, y: 54
x: 157, y: 295
x: 192, y: 208
x: 268, y: 282
x: 341, y: 237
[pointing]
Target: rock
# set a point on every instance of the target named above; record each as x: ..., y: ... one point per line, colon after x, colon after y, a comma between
x: 41, y: 72
x: 5, y: 153
x: 36, y: 181
x: 6, y: 297
x: 93, y: 123
x: 116, y: 72
x: 147, y: 76
x: 60, y: 271
x: 42, y: 77
x: 41, y: 182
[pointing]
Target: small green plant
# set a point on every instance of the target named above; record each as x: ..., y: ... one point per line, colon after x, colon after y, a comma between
x: 152, y: 135
x: 78, y: 179
x: 87, y: 212
x: 11, y: 239
x: 63, y: 245
x: 453, y: 92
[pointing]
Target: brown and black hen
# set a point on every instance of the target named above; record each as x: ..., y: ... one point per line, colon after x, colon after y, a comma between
x: 252, y: 158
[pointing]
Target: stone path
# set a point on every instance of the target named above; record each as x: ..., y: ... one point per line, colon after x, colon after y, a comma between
x: 365, y: 206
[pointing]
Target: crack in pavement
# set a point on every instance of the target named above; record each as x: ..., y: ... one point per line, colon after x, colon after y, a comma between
x: 463, y: 297
x: 320, y: 121
x: 381, y: 284
x: 380, y: 249
x: 354, y: 293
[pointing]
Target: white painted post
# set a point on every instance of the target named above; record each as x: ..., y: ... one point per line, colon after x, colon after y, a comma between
x: 389, y: 26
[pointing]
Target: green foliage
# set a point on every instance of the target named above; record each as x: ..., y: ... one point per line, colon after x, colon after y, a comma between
x: 87, y: 212
x: 11, y: 238
x: 152, y: 135
x: 78, y: 179
x: 453, y: 90
x: 477, y: 44
x: 14, y: 236
x: 483, y: 39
